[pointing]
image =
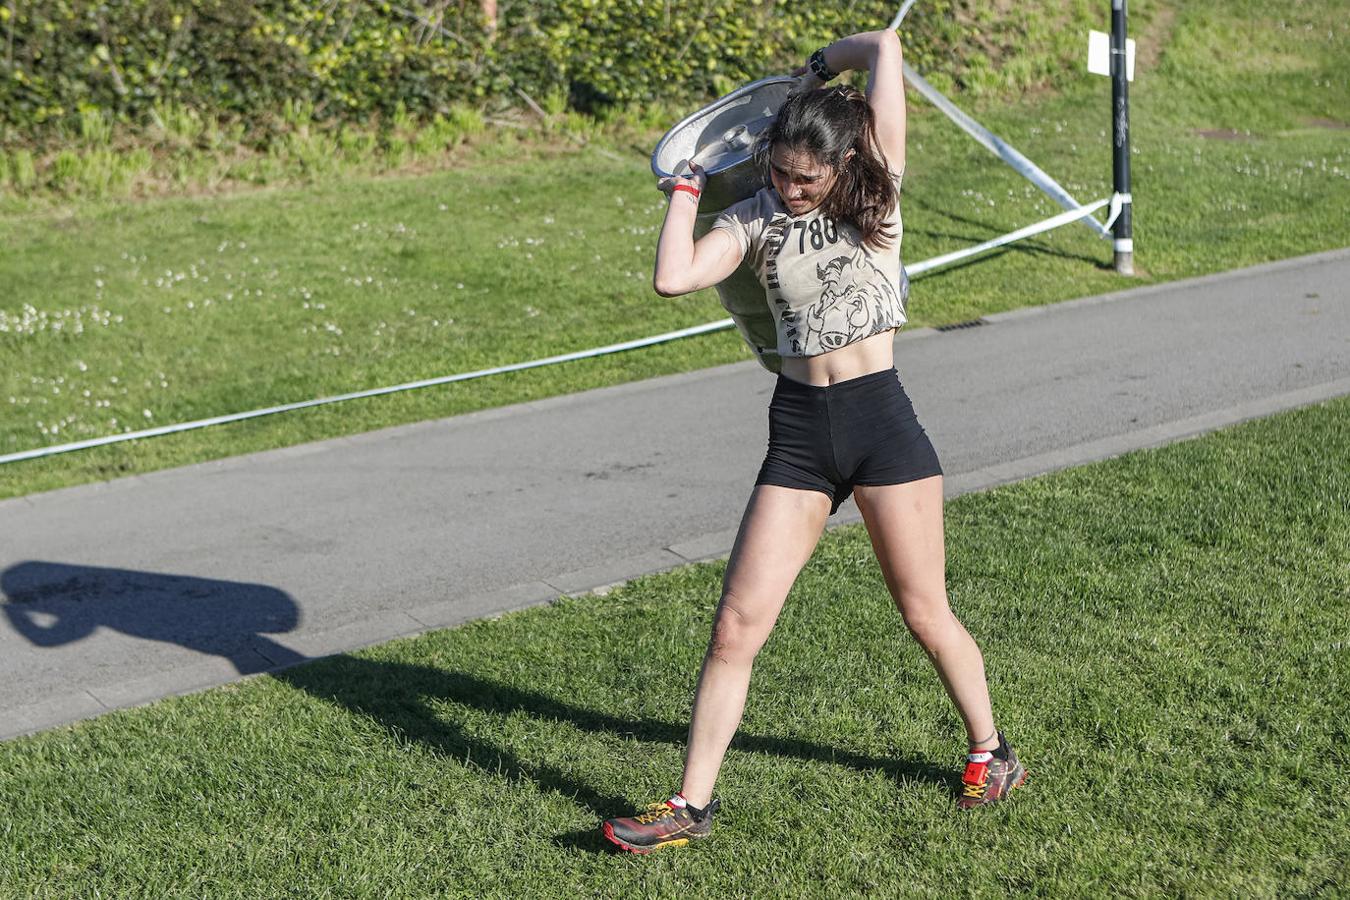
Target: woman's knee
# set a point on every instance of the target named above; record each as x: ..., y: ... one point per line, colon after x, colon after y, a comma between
x: 737, y: 635
x: 929, y: 619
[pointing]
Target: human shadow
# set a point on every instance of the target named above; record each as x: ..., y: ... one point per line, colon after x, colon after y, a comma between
x: 399, y: 697
x: 53, y: 604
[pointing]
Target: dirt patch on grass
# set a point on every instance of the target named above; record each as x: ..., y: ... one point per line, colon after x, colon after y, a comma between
x: 1224, y: 134
x: 1330, y: 124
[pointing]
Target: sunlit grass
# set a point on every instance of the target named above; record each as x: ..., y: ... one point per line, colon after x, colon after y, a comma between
x: 1166, y: 645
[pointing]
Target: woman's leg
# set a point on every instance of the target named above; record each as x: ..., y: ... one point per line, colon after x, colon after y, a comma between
x: 778, y: 533
x: 904, y: 522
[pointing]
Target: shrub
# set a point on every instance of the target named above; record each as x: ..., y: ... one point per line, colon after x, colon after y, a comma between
x: 182, y: 65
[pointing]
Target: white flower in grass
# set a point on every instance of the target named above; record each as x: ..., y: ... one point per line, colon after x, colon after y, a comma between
x: 147, y: 413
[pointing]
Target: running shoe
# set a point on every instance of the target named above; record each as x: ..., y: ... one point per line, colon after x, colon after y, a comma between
x: 661, y: 825
x: 992, y: 780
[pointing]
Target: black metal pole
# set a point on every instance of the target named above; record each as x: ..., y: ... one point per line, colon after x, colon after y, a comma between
x: 1122, y: 230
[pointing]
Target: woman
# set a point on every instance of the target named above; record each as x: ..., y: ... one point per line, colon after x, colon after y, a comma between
x: 824, y: 240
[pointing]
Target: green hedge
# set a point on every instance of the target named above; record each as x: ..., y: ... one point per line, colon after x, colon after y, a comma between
x: 71, y: 64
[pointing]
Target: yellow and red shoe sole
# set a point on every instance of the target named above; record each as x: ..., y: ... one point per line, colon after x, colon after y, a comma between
x: 608, y: 830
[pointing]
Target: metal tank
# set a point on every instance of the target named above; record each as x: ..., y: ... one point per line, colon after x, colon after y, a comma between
x: 720, y: 138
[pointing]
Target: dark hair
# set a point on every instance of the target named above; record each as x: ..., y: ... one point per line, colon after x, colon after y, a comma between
x: 828, y: 123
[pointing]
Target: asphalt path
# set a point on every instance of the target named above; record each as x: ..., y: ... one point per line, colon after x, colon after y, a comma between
x: 116, y: 594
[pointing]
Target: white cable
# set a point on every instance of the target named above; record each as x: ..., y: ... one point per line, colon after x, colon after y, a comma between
x: 900, y: 16
x: 1118, y: 202
x: 999, y: 147
x: 1063, y: 218
x: 996, y: 145
x: 915, y: 271
x: 356, y: 395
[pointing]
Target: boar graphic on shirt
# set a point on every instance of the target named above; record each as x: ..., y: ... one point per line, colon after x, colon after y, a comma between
x: 856, y: 301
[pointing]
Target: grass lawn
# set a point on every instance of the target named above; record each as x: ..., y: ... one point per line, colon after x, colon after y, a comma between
x: 119, y: 315
x: 1166, y: 641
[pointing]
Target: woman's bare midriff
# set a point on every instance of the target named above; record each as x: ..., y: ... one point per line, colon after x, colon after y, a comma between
x: 869, y: 355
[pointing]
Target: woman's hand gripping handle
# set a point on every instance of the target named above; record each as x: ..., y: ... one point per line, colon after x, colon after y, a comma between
x: 683, y: 265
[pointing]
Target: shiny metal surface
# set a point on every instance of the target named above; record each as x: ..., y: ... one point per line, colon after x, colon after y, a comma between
x: 720, y: 137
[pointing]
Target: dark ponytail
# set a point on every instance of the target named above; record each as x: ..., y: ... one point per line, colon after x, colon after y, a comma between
x: 827, y: 124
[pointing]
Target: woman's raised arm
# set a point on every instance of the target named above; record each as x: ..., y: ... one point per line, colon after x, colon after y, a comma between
x: 878, y: 53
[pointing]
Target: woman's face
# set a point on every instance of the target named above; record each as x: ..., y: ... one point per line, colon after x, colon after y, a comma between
x: 800, y: 179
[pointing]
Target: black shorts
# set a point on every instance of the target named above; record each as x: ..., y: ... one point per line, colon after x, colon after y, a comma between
x: 860, y: 431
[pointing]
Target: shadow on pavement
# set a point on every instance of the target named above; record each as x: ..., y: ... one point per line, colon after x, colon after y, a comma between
x: 53, y: 604
x: 396, y: 695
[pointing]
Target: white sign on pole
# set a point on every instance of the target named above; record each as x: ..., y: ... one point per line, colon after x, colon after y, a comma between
x: 1099, y: 54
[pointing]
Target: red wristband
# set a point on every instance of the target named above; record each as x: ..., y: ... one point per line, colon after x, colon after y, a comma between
x: 688, y: 188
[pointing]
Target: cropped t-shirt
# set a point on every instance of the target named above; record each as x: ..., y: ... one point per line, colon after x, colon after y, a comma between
x: 824, y: 288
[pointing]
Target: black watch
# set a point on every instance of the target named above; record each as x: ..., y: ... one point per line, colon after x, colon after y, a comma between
x: 819, y: 68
